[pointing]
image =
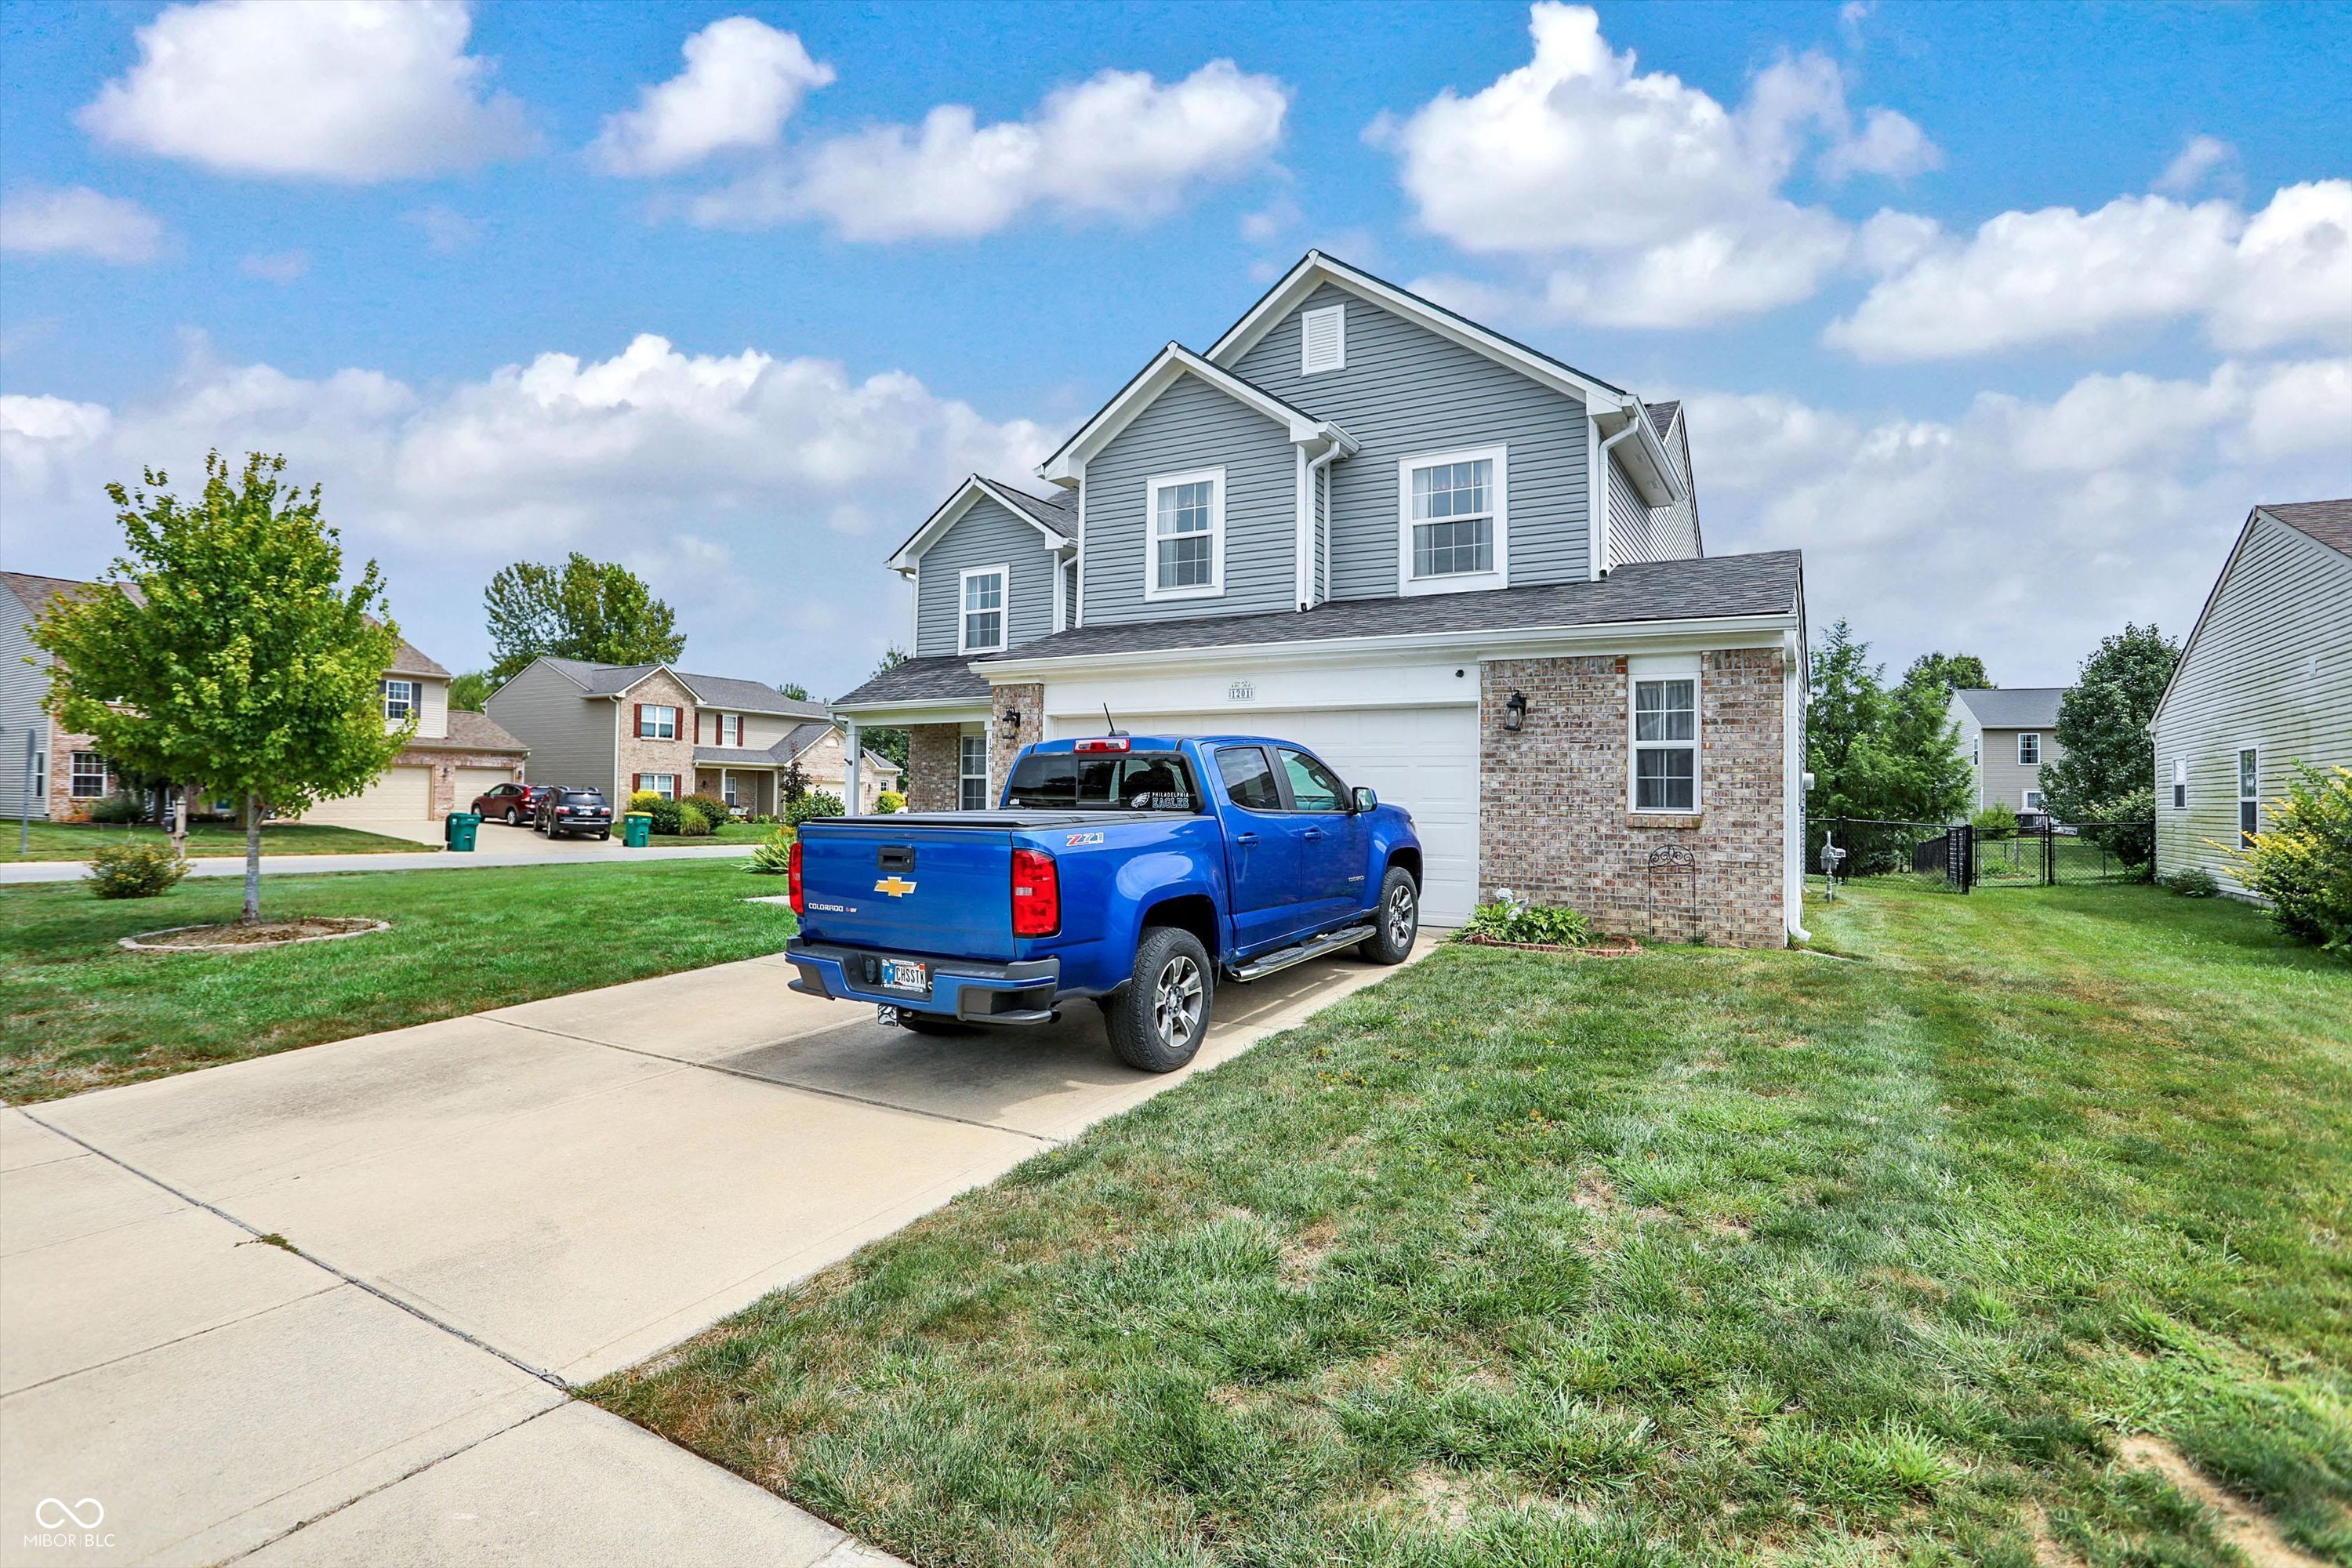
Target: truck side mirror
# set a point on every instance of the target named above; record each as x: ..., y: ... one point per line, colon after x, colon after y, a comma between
x: 1365, y: 799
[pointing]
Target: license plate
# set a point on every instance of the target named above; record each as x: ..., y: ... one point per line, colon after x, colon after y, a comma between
x: 905, y: 974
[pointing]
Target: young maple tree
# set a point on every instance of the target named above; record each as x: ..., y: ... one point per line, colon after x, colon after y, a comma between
x: 236, y: 657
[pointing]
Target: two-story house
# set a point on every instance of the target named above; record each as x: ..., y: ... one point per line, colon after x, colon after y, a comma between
x: 450, y: 758
x: 2007, y: 734
x: 1466, y: 574
x: 623, y: 728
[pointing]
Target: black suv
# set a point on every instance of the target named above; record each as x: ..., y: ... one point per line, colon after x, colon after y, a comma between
x: 565, y: 811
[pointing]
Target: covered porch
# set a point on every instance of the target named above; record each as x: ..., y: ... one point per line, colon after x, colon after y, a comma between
x: 947, y: 712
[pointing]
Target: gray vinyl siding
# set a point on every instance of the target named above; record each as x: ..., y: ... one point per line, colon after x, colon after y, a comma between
x: 1673, y: 528
x: 1405, y: 391
x: 571, y: 737
x: 1190, y: 425
x: 2004, y: 780
x: 22, y: 686
x: 2248, y: 680
x: 985, y: 535
x: 1069, y: 597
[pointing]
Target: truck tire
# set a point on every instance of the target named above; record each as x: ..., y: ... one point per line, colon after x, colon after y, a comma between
x: 1158, y: 1018
x: 1396, y: 919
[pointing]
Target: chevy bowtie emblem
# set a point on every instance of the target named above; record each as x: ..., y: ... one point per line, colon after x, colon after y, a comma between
x: 896, y: 886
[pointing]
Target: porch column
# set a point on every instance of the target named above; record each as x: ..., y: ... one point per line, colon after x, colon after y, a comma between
x: 850, y: 770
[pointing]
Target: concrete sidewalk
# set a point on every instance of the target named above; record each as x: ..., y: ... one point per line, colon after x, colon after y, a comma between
x: 326, y: 1306
x: 569, y: 852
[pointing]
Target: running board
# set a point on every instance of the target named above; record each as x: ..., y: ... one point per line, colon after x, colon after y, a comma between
x: 1259, y: 968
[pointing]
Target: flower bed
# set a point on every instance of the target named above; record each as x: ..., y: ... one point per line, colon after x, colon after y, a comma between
x: 1598, y: 947
x: 267, y: 934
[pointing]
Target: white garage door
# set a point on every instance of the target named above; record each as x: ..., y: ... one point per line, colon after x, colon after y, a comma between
x: 402, y: 794
x: 1424, y: 759
x: 472, y: 782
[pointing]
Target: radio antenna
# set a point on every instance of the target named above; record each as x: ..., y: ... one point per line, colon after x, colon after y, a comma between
x: 1110, y: 726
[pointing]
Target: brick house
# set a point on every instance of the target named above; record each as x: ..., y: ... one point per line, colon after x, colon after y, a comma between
x: 1464, y: 573
x: 449, y: 759
x: 626, y: 726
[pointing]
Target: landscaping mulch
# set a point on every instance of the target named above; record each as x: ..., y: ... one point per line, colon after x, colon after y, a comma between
x: 264, y: 934
x: 1600, y: 947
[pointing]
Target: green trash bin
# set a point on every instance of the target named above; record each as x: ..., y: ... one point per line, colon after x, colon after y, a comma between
x: 460, y: 830
x: 637, y: 829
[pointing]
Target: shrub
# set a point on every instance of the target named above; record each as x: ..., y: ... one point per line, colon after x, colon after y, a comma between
x: 1995, y: 822
x: 118, y: 808
x: 137, y: 870
x: 714, y: 809
x: 1513, y: 920
x: 2124, y: 828
x: 2304, y: 864
x: 693, y: 819
x: 816, y: 803
x: 667, y: 815
x: 889, y: 801
x: 761, y: 819
x: 2189, y: 882
x: 643, y: 800
x: 772, y: 856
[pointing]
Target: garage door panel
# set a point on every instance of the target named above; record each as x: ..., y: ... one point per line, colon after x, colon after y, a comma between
x: 400, y: 793
x: 471, y: 782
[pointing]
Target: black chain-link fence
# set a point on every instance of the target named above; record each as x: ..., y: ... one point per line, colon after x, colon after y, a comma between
x: 1957, y: 857
x: 1931, y: 854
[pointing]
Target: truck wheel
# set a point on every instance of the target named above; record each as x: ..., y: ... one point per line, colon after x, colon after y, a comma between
x: 1398, y: 919
x: 1158, y: 1021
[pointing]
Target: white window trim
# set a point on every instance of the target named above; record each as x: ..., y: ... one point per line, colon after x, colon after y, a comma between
x: 1665, y: 666
x: 75, y: 775
x: 2237, y: 787
x: 971, y: 732
x: 413, y: 695
x: 649, y: 727
x: 1004, y: 608
x: 2180, y: 783
x: 1409, y: 585
x: 2034, y: 799
x: 1215, y: 587
x: 1339, y: 312
x: 645, y: 782
x: 2023, y: 759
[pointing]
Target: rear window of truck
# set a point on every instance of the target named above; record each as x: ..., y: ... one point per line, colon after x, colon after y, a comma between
x: 1138, y: 781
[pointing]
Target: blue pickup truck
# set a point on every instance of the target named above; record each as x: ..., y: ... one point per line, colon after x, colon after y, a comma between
x: 1132, y: 871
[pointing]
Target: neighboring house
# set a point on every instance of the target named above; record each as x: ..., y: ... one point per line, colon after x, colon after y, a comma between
x: 452, y: 756
x: 2007, y: 734
x: 626, y: 727
x: 1469, y: 575
x: 2264, y: 682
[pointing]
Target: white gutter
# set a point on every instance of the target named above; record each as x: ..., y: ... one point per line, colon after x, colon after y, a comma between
x: 1318, y: 473
x: 1601, y: 539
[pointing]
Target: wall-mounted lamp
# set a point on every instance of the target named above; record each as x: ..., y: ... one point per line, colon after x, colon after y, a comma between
x: 1515, y: 713
x: 1012, y: 720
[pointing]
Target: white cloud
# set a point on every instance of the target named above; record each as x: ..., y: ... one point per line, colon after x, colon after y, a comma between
x: 2057, y: 275
x: 1648, y: 202
x: 2021, y: 531
x: 742, y: 80
x: 1120, y: 145
x: 277, y: 267
x: 2200, y: 158
x: 77, y: 220
x: 789, y: 473
x: 355, y: 91
x: 446, y: 228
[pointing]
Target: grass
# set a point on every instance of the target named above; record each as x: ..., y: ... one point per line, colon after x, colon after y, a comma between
x: 725, y: 833
x: 76, y: 1012
x: 77, y: 840
x: 1697, y: 1257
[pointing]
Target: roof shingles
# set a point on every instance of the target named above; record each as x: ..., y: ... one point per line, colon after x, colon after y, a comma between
x: 2328, y: 521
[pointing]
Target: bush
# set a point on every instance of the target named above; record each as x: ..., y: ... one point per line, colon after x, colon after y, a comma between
x: 2304, y: 864
x: 2124, y: 828
x: 761, y: 819
x: 714, y: 809
x: 693, y: 819
x: 117, y: 808
x: 135, y: 870
x: 772, y: 856
x: 668, y: 815
x: 816, y: 803
x: 1995, y: 822
x: 890, y: 801
x: 1513, y: 920
x: 2189, y: 882
x: 643, y: 800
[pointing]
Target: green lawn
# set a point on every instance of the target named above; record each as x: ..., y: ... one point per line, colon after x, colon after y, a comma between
x: 77, y: 840
x: 77, y: 1012
x: 1698, y: 1257
x: 726, y: 833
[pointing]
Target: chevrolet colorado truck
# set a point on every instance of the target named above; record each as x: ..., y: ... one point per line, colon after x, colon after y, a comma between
x: 1132, y: 871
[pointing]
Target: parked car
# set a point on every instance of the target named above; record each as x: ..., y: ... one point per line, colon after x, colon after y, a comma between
x: 567, y: 811
x: 1131, y: 871
x: 513, y: 804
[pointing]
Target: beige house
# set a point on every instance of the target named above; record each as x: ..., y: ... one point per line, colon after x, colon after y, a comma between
x: 2008, y: 735
x: 622, y: 727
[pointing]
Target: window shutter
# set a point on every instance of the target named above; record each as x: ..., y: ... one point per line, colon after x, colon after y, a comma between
x: 641, y: 721
x: 636, y: 783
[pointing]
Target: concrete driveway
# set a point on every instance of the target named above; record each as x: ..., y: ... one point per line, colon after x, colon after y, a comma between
x: 325, y: 1306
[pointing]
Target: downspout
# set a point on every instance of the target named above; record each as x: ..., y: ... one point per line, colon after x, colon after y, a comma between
x: 1301, y: 559
x: 1318, y: 482
x: 1601, y: 549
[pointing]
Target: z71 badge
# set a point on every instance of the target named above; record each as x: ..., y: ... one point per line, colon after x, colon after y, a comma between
x: 1078, y: 839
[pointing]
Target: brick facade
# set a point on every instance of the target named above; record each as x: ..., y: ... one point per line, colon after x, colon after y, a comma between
x: 930, y: 776
x: 1555, y: 824
x: 445, y: 766
x: 1004, y: 742
x: 643, y: 756
x: 61, y: 804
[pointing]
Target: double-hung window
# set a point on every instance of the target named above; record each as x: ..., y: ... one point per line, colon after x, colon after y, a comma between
x: 1665, y: 740
x: 656, y: 722
x: 1454, y: 521
x: 984, y: 610
x: 2029, y: 749
x: 728, y: 731
x: 90, y: 775
x: 2250, y: 794
x: 662, y: 784
x: 399, y: 699
x: 2180, y: 783
x: 1185, y: 534
x: 971, y: 773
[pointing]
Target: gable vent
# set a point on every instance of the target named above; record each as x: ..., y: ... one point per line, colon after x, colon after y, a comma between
x: 1323, y: 339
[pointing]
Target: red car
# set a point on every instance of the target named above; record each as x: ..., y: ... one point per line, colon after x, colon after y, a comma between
x: 515, y: 805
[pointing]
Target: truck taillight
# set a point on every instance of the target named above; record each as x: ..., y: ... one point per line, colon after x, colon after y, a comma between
x: 1037, y: 894
x: 1116, y: 744
x: 793, y: 877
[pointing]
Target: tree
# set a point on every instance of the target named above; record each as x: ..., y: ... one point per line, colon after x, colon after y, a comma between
x: 887, y: 743
x: 1953, y: 671
x: 2103, y: 726
x: 468, y: 691
x: 1887, y: 756
x: 594, y: 610
x: 794, y: 689
x: 235, y: 659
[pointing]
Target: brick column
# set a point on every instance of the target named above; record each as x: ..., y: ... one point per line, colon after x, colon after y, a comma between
x: 1004, y: 745
x: 930, y: 775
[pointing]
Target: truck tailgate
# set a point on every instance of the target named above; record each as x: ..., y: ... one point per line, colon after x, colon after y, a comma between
x: 910, y: 886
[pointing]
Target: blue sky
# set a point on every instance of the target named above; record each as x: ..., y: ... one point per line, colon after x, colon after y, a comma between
x: 2004, y: 315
